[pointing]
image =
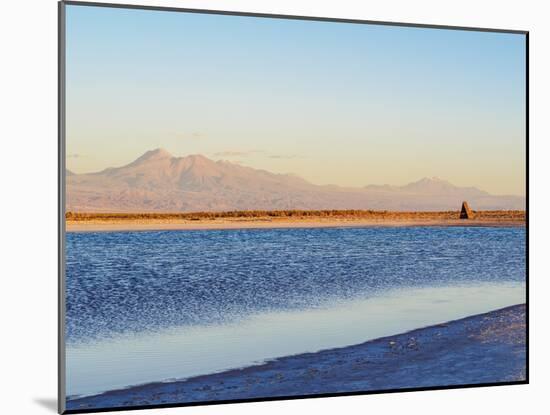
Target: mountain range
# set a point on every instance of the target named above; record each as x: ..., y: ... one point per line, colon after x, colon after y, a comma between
x: 160, y: 182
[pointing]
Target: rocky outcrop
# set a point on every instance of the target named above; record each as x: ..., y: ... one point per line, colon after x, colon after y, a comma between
x: 466, y: 212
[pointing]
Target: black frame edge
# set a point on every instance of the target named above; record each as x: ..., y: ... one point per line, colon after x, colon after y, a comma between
x: 527, y: 296
x: 290, y: 17
x: 292, y: 398
x: 61, y: 390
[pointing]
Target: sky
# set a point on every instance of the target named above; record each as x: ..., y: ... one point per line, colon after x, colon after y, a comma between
x: 334, y: 103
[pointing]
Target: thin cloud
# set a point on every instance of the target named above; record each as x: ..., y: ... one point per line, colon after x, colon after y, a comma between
x: 192, y: 135
x: 285, y: 156
x: 232, y: 153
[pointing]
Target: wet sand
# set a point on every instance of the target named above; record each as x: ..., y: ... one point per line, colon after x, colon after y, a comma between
x: 274, y: 223
x: 485, y: 348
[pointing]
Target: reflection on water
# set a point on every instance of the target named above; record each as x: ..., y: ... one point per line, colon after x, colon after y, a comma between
x: 172, y: 353
x: 131, y: 282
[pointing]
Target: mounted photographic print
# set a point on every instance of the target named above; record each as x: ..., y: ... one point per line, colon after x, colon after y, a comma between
x: 258, y: 207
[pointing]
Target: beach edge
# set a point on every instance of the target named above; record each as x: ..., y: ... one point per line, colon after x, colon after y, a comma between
x: 488, y: 348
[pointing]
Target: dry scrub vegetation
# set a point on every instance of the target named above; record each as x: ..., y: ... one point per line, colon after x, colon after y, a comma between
x: 496, y: 215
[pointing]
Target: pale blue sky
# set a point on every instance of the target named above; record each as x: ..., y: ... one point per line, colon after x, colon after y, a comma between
x: 348, y: 104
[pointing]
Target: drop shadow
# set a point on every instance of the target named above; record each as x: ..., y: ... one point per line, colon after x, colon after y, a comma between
x: 48, y: 403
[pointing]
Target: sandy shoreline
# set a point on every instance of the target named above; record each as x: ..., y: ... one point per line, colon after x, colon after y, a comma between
x: 485, y: 348
x: 268, y: 223
x: 150, y: 221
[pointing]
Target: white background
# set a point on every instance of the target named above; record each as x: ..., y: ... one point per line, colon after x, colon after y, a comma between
x: 28, y: 189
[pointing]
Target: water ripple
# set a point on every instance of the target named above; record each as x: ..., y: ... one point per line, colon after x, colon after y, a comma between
x: 128, y: 282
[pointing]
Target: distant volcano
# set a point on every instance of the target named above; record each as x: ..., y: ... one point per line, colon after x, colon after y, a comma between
x: 160, y: 182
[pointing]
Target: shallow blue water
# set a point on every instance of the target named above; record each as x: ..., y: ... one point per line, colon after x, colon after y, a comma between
x: 128, y: 282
